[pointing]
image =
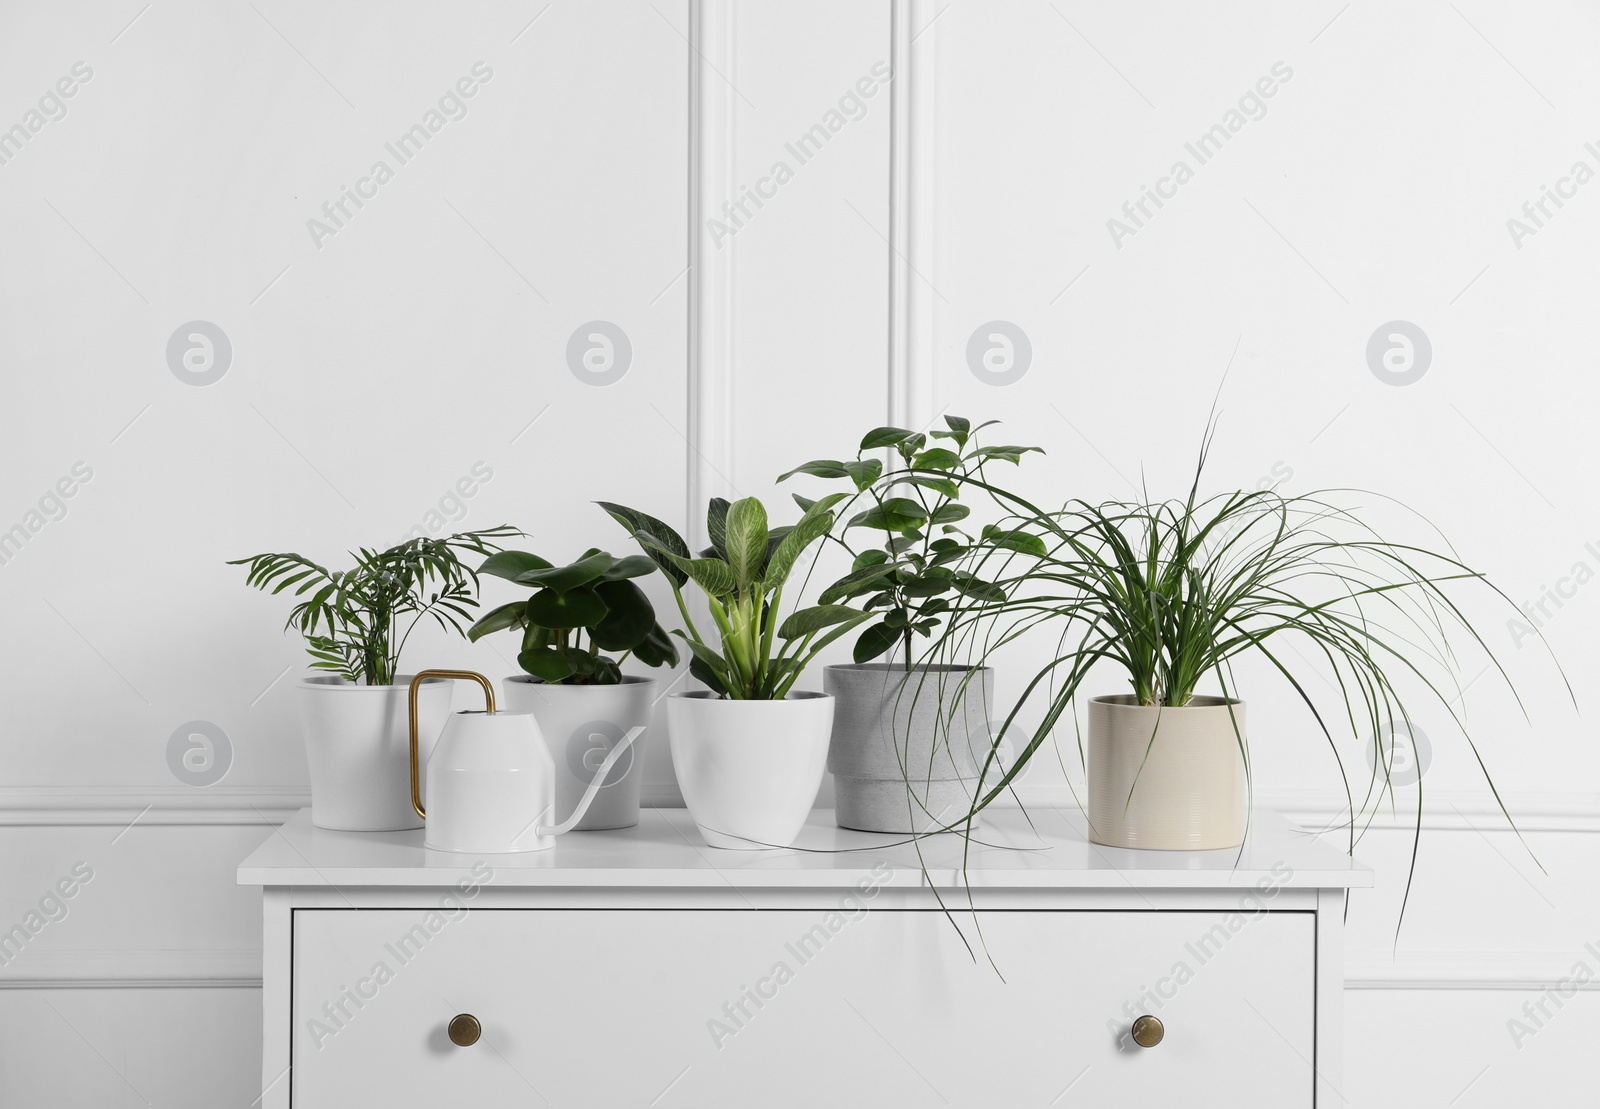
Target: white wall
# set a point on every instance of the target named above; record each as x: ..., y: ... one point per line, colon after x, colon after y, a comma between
x: 373, y: 371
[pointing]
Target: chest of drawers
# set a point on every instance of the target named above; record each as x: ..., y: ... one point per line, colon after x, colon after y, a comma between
x: 640, y: 968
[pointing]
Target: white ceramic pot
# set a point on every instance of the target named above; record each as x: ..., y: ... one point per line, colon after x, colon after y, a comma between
x: 581, y: 724
x: 1166, y: 778
x: 358, y: 748
x: 749, y: 770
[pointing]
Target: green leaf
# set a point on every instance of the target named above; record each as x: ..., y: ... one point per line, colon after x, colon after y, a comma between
x: 864, y: 473
x: 576, y: 608
x: 1004, y: 454
x: 805, y: 503
x: 874, y: 641
x: 960, y: 427
x: 931, y: 584
x: 970, y: 585
x: 812, y: 526
x: 712, y: 575
x: 950, y: 513
x: 707, y: 658
x: 657, y: 648
x: 572, y: 576
x: 943, y: 486
x: 506, y: 616
x: 911, y: 444
x: 1023, y: 542
x: 633, y: 566
x: 549, y: 663
x: 883, y: 437
x: 808, y: 620
x: 717, y: 526
x: 869, y: 558
x: 858, y: 581
x: 937, y: 458
x: 822, y: 467
x: 666, y: 542
x: 702, y: 671
x: 509, y: 564
x: 747, y: 539
x: 894, y: 514
x: 629, y: 616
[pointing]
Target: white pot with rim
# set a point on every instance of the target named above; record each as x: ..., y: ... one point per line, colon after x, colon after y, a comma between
x: 749, y: 770
x: 1167, y: 778
x: 581, y: 724
x: 358, y: 749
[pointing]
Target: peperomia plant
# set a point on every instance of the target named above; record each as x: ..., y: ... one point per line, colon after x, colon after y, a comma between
x: 918, y: 575
x: 357, y: 622
x: 591, y: 597
x: 742, y: 575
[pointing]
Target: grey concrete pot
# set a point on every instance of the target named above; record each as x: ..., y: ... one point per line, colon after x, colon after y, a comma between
x: 897, y: 765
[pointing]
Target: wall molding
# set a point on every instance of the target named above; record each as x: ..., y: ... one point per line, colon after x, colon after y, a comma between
x: 713, y: 108
x: 146, y: 969
x: 911, y: 203
x: 88, y: 806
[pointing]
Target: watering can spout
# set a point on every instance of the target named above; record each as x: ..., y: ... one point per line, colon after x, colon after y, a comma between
x: 594, y: 785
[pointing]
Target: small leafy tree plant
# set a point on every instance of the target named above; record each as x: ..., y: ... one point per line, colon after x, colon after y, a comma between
x: 753, y: 655
x: 356, y: 621
x: 592, y: 599
x: 916, y: 573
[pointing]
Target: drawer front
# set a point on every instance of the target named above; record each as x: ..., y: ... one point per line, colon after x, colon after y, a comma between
x: 710, y: 1008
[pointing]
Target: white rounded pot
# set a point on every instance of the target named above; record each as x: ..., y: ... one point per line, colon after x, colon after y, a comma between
x: 749, y: 770
x: 1166, y: 778
x: 581, y: 724
x: 358, y: 749
x: 900, y: 762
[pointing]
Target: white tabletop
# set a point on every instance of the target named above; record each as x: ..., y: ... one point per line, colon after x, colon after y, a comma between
x: 665, y: 851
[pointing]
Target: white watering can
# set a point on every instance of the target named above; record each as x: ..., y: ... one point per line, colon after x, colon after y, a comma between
x: 491, y: 780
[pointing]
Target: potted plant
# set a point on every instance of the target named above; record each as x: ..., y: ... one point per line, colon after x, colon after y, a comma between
x: 580, y: 623
x: 749, y: 750
x: 356, y: 623
x: 1174, y: 593
x: 909, y: 733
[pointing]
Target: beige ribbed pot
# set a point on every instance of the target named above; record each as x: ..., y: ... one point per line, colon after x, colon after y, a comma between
x: 1182, y: 766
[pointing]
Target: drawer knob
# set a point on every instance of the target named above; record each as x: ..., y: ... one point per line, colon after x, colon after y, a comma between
x: 1147, y: 1031
x: 465, y: 1030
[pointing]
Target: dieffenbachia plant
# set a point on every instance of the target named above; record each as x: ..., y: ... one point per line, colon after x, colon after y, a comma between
x: 592, y: 597
x: 752, y: 656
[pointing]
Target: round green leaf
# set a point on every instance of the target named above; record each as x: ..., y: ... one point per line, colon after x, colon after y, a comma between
x: 628, y: 618
x: 578, y: 608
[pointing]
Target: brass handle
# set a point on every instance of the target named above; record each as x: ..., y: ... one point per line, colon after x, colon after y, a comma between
x: 411, y: 702
x: 464, y: 1029
x: 1148, y: 1031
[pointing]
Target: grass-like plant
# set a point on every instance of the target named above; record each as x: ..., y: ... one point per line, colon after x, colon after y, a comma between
x: 1175, y: 592
x: 754, y: 657
x: 592, y: 597
x: 356, y: 621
